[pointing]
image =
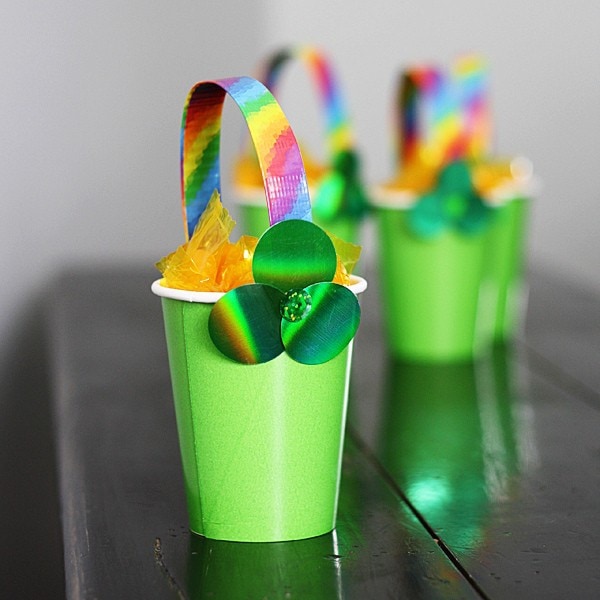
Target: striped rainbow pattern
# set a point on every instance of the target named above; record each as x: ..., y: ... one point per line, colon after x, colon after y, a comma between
x: 339, y: 133
x: 470, y: 77
x: 444, y: 116
x: 446, y: 141
x: 417, y: 86
x: 430, y: 117
x: 276, y: 146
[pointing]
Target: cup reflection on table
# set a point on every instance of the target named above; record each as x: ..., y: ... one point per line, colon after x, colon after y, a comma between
x: 448, y: 440
x: 238, y: 570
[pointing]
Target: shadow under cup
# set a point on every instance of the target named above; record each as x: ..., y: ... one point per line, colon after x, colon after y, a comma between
x: 261, y: 445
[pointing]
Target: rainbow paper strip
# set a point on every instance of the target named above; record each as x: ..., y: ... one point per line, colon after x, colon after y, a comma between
x: 416, y: 86
x: 430, y: 118
x: 469, y: 76
x: 276, y: 146
x: 444, y: 116
x: 339, y: 133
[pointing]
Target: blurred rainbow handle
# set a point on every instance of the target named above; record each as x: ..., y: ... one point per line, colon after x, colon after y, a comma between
x: 429, y: 118
x: 278, y: 154
x: 338, y: 133
x: 470, y: 74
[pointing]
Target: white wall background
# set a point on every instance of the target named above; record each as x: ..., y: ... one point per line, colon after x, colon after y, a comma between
x: 544, y: 57
x: 92, y: 93
x: 90, y: 108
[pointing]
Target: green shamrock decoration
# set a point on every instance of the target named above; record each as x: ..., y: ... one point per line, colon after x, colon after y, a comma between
x: 293, y: 306
x: 341, y: 191
x: 453, y: 203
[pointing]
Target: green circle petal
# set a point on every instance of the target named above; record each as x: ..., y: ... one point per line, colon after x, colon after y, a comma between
x: 476, y: 217
x: 427, y: 218
x: 455, y: 178
x: 327, y: 329
x: 294, y: 254
x: 245, y: 324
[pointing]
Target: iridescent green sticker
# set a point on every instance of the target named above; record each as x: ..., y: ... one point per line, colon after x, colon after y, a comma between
x: 453, y: 203
x: 293, y: 254
x: 292, y: 307
x: 245, y: 324
x: 340, y: 192
x: 327, y: 329
x: 427, y: 217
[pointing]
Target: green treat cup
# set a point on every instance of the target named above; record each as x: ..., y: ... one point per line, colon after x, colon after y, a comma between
x: 255, y: 220
x: 254, y: 217
x: 431, y: 290
x: 261, y: 445
x: 505, y: 253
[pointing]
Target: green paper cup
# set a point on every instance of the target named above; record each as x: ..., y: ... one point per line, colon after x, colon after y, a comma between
x: 431, y: 291
x: 504, y: 258
x: 261, y: 445
x: 255, y: 219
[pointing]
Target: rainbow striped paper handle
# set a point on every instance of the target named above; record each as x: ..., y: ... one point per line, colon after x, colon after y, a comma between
x: 416, y: 87
x: 338, y: 131
x: 274, y: 141
x: 470, y: 76
x: 442, y: 116
x: 429, y: 119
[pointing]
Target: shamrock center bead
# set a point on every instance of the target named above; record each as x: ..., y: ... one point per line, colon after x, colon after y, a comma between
x: 295, y: 305
x: 456, y: 205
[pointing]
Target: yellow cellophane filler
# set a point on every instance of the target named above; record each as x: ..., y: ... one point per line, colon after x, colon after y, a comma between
x: 490, y: 178
x: 209, y: 262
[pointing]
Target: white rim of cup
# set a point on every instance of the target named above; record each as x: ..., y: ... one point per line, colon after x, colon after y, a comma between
x: 357, y: 286
x: 383, y: 198
x: 524, y: 187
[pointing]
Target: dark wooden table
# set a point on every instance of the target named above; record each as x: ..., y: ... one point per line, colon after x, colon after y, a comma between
x: 465, y: 481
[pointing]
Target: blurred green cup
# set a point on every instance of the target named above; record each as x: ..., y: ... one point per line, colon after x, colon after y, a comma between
x: 505, y: 256
x: 431, y: 290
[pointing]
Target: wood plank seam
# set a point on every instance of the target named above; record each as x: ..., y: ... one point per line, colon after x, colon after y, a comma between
x: 389, y: 480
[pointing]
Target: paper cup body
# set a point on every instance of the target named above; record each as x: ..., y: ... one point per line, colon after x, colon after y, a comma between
x: 261, y: 445
x: 255, y: 219
x: 505, y: 254
x: 431, y: 290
